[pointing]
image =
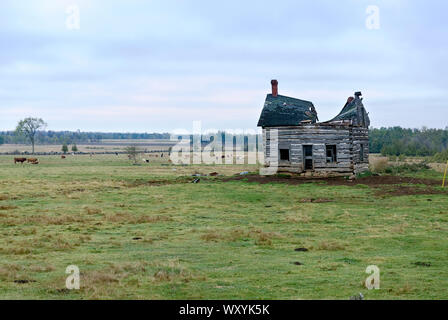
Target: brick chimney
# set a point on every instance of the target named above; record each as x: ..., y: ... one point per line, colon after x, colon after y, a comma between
x: 274, y: 84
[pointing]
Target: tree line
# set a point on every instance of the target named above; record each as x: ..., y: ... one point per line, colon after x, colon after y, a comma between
x: 387, y: 141
x: 410, y: 142
x: 71, y: 137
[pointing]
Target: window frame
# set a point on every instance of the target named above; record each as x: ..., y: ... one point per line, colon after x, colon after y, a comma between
x: 334, y: 150
x: 280, y: 154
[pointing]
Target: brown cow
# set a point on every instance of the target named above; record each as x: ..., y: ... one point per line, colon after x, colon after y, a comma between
x: 62, y: 157
x: 21, y: 160
x: 31, y: 160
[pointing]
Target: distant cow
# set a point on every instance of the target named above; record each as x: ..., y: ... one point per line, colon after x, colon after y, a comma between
x: 31, y: 160
x: 21, y: 160
x: 62, y: 157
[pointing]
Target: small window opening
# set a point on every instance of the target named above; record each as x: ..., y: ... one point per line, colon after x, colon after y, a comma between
x: 331, y: 153
x: 284, y: 154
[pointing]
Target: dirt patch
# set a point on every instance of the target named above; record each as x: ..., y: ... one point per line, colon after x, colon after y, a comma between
x: 406, y: 191
x: 319, y: 200
x: 385, y: 185
x: 160, y: 182
x: 422, y: 264
x: 22, y: 281
x: 372, y: 181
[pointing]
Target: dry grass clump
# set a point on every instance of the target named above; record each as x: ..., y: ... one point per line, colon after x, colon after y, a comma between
x: 84, y: 238
x: 8, y: 207
x: 63, y: 219
x: 9, y: 271
x: 3, y: 197
x: 401, y: 228
x: 212, y: 235
x: 32, y: 245
x: 129, y: 267
x: 42, y: 268
x: 93, y: 278
x: 171, y: 271
x: 379, y: 164
x: 15, y: 250
x: 298, y: 218
x: 260, y: 237
x: 330, y: 266
x: 89, y: 210
x: 330, y: 246
x: 169, y: 275
x: 135, y: 219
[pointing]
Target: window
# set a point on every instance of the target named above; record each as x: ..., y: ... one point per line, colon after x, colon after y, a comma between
x: 308, y: 151
x: 331, y: 153
x: 284, y: 154
x: 361, y: 153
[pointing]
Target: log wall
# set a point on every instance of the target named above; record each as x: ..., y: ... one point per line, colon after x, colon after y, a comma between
x: 347, y: 139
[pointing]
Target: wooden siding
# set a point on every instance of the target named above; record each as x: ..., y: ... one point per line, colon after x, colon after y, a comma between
x: 347, y: 139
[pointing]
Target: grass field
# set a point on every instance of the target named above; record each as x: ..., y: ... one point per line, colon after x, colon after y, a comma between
x: 146, y: 232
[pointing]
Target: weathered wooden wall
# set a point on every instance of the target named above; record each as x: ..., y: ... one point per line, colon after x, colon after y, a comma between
x: 360, y: 136
x: 348, y: 140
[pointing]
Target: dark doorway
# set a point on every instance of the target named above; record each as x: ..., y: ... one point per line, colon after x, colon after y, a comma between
x: 308, y: 157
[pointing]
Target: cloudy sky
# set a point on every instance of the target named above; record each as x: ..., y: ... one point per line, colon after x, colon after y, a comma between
x: 145, y: 66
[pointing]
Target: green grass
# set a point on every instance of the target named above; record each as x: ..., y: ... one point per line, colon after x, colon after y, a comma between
x: 210, y: 240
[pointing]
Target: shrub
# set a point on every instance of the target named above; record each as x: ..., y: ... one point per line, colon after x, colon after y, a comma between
x: 440, y: 156
x: 379, y: 164
x: 393, y: 158
x: 407, y: 168
x: 365, y: 174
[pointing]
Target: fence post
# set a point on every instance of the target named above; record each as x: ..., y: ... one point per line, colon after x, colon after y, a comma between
x: 444, y: 175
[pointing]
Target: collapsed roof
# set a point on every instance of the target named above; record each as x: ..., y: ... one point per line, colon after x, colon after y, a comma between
x: 353, y: 112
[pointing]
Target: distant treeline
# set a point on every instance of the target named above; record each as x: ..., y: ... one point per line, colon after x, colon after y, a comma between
x: 70, y: 137
x: 387, y: 141
x: 409, y: 142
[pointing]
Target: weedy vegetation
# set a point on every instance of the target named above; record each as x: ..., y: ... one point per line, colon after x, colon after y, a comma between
x: 147, y: 232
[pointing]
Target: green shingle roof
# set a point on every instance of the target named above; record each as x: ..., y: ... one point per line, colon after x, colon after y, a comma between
x: 286, y: 111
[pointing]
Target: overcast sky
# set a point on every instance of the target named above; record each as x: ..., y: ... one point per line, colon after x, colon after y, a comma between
x: 146, y: 66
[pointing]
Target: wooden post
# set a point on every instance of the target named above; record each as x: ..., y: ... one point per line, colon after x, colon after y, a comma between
x: 444, y: 175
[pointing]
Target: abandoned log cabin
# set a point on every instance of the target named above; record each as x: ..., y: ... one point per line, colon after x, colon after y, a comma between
x: 295, y: 141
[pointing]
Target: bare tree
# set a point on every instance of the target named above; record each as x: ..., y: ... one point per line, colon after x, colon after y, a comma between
x: 132, y: 153
x: 29, y: 127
